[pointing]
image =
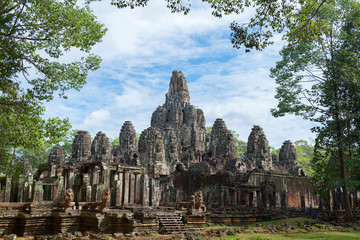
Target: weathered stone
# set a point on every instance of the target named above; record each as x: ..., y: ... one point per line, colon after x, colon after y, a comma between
x: 101, y: 148
x: 222, y: 145
x: 258, y: 150
x: 178, y: 89
x: 127, y: 151
x: 81, y: 148
x: 152, y: 152
x: 57, y: 155
x: 287, y: 154
x: 288, y: 159
x: 182, y: 124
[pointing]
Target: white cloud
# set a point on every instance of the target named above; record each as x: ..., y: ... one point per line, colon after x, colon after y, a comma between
x: 144, y: 45
x: 97, y: 118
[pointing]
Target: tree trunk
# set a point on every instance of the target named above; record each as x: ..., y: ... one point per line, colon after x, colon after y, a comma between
x: 348, y: 212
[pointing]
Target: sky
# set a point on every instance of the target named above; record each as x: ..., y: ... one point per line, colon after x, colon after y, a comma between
x: 141, y: 49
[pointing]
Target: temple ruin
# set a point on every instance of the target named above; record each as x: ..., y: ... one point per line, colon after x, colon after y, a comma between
x: 133, y: 186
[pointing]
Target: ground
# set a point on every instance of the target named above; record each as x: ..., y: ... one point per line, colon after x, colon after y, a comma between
x: 291, y: 228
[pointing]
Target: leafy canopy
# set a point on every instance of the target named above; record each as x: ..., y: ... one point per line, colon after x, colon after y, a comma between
x: 34, y: 36
x: 319, y: 80
x: 295, y: 18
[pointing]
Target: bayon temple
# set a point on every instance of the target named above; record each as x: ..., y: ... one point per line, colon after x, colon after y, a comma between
x: 175, y: 168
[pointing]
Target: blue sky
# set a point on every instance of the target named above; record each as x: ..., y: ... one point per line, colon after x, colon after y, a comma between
x: 141, y: 49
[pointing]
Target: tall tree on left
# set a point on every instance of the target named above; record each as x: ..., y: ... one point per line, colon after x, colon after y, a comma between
x: 34, y: 37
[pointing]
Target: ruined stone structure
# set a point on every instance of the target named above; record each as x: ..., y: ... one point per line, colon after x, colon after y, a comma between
x: 174, y: 160
x: 81, y: 148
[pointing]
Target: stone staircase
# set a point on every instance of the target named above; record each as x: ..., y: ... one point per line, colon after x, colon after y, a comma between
x: 171, y: 223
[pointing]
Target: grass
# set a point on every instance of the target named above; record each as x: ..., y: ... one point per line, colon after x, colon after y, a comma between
x: 315, y: 235
x: 253, y: 232
x: 288, y: 221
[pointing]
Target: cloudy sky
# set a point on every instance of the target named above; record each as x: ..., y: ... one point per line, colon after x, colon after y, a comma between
x: 141, y: 49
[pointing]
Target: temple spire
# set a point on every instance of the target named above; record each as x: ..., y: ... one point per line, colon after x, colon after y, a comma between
x: 178, y: 89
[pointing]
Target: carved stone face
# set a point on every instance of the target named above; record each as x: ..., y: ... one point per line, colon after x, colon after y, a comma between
x: 69, y: 196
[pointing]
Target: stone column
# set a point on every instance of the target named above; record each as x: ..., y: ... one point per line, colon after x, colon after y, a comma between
x: 71, y: 177
x: 155, y: 190
x: 145, y: 200
x: 246, y: 198
x: 38, y: 192
x: 222, y: 198
x: 132, y: 188
x: 95, y: 174
x: 258, y: 199
x: 138, y: 188
x: 88, y: 193
x: 278, y: 199
x: 119, y: 190
x: 7, y: 189
x: 254, y: 200
x: 20, y: 193
x: 126, y: 187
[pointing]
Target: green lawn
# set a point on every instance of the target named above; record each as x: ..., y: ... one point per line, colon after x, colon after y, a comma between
x: 316, y: 235
x: 289, y: 221
x: 255, y: 232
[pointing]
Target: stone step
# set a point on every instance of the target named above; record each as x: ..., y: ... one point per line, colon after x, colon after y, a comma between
x: 172, y: 223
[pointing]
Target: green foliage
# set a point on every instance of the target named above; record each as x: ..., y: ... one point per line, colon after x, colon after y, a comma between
x: 36, y: 156
x: 137, y: 139
x: 275, y: 151
x: 208, y: 129
x: 241, y: 146
x: 67, y: 142
x: 319, y: 80
x: 295, y: 18
x: 114, y: 142
x: 34, y: 34
x: 305, y: 154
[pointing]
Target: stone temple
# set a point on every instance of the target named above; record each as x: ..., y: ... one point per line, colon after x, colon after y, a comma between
x: 174, y: 161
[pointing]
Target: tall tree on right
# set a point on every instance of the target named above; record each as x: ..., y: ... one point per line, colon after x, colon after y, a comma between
x: 320, y: 81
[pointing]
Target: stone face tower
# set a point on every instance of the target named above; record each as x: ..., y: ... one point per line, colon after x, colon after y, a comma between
x: 127, y: 151
x: 258, y: 150
x: 57, y: 155
x: 178, y: 90
x: 181, y: 123
x: 101, y: 148
x: 288, y: 159
x: 222, y: 143
x: 81, y: 148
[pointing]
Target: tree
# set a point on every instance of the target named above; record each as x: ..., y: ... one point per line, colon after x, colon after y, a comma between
x: 114, y: 142
x: 305, y: 153
x: 36, y: 156
x: 241, y: 146
x: 295, y: 18
x: 34, y: 35
x: 319, y: 80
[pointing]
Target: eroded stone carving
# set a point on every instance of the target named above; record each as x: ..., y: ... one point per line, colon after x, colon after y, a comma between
x: 152, y: 152
x: 182, y: 124
x: 195, y: 204
x: 127, y: 152
x: 288, y: 159
x: 105, y: 199
x: 258, y: 150
x: 68, y: 200
x: 222, y: 145
x: 101, y: 148
x: 57, y: 155
x: 81, y: 148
